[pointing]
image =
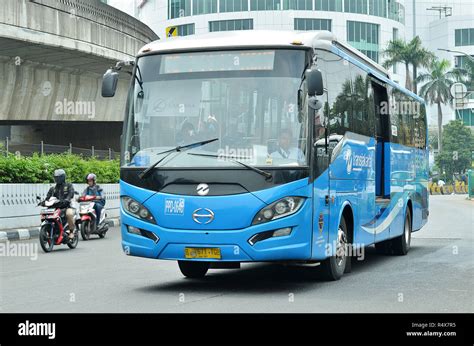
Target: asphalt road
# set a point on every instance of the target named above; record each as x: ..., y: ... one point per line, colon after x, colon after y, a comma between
x: 436, y: 276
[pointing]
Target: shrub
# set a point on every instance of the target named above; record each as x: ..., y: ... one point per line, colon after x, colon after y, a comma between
x: 40, y: 169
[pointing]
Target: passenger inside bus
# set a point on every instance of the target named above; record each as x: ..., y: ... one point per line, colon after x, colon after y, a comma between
x: 187, y: 134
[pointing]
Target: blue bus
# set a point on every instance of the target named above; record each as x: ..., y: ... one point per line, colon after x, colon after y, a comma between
x: 259, y: 146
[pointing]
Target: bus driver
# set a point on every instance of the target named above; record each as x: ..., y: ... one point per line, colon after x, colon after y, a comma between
x: 285, y: 150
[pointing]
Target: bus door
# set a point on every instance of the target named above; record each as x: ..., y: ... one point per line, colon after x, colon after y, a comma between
x: 382, y: 159
x: 322, y: 147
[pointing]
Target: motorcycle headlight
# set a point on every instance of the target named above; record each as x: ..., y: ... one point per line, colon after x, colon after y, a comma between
x: 137, y: 210
x: 281, y: 208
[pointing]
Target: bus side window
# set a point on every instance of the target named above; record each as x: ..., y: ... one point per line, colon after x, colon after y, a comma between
x: 363, y: 109
x: 338, y: 103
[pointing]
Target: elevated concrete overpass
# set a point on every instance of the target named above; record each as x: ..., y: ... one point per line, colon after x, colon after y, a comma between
x: 52, y: 57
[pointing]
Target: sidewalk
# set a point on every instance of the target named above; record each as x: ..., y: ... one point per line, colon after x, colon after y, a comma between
x: 30, y: 233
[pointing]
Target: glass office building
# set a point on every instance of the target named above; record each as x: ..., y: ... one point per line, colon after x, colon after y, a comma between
x: 366, y: 24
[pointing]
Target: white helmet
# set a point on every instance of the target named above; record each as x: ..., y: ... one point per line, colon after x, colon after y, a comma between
x: 91, y: 176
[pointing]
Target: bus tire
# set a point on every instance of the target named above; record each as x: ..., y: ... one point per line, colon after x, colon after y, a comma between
x: 193, y: 270
x: 400, y: 245
x: 334, y: 267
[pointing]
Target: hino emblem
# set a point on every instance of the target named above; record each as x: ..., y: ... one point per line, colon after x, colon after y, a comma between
x: 203, y: 216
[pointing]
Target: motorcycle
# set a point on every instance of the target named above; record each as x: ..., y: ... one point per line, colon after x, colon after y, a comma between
x: 88, y: 218
x: 54, y: 225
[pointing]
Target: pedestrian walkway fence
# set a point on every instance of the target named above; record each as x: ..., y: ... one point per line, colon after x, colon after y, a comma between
x: 28, y: 149
x: 459, y: 187
x: 18, y: 203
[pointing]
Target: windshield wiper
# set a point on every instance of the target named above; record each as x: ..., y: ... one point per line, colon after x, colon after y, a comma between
x: 266, y: 174
x: 179, y: 148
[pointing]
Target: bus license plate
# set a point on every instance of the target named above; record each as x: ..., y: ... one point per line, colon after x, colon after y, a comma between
x: 191, y: 252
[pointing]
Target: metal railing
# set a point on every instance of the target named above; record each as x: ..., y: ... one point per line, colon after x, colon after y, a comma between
x: 28, y: 149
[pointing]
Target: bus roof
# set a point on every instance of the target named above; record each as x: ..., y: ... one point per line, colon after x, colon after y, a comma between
x: 271, y: 39
x: 254, y: 38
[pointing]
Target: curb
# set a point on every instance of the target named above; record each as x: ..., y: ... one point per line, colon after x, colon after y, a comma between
x: 30, y: 233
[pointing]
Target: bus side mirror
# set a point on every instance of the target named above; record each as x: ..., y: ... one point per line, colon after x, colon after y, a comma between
x: 314, y: 81
x: 109, y: 83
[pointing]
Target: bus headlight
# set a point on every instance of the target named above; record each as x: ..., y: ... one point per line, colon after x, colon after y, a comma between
x: 137, y: 210
x: 281, y: 208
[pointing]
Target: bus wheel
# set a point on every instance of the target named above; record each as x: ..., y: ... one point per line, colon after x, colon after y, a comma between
x: 333, y: 267
x: 193, y: 270
x: 401, y: 244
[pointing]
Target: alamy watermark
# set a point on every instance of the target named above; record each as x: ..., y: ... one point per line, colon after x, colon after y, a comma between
x: 401, y: 107
x: 228, y: 153
x: 17, y: 249
x: 348, y: 250
x: 69, y: 108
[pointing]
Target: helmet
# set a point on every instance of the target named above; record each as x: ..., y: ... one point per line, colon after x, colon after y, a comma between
x: 59, y: 176
x: 91, y: 176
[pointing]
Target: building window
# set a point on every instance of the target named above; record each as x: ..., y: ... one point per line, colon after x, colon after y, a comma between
x: 355, y: 6
x: 179, y: 8
x: 464, y: 37
x: 401, y: 13
x: 233, y: 5
x: 328, y: 5
x: 204, y: 6
x: 185, y: 29
x: 460, y: 61
x: 364, y: 37
x: 395, y: 37
x: 312, y: 24
x: 265, y: 5
x: 396, y: 11
x: 229, y: 25
x: 378, y: 8
x: 466, y: 116
x: 298, y: 5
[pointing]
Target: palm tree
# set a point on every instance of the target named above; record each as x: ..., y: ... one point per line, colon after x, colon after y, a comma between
x: 397, y: 53
x: 419, y: 57
x: 437, y: 82
x: 468, y: 72
x: 411, y: 53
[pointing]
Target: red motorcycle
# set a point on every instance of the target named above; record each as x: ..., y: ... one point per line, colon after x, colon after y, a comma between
x: 88, y: 218
x: 54, y: 226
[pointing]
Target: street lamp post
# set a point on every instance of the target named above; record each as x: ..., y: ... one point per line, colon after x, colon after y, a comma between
x: 457, y: 51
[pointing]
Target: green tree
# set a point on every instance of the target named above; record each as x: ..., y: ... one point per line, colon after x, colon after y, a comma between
x: 436, y: 89
x: 467, y: 73
x: 419, y: 57
x: 458, y: 143
x: 408, y: 53
x: 397, y: 53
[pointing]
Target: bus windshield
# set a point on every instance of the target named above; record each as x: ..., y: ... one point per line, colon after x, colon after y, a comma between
x: 247, y: 99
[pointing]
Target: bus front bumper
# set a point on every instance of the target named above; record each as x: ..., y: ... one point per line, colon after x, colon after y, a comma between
x: 143, y: 239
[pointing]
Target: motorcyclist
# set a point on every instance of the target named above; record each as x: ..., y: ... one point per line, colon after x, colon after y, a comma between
x: 64, y: 192
x: 93, y: 189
